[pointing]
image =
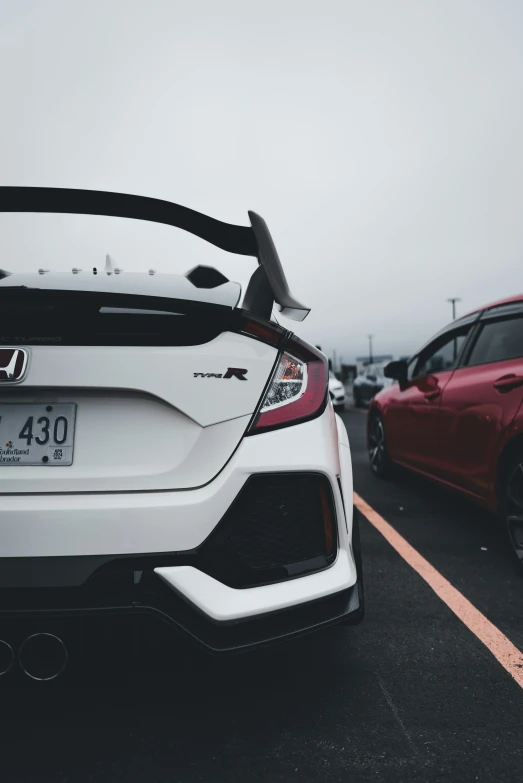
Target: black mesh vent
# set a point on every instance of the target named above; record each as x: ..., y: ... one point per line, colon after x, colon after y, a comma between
x: 278, y: 520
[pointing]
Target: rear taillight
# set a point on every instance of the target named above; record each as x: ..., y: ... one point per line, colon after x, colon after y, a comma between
x: 297, y: 391
x: 271, y: 334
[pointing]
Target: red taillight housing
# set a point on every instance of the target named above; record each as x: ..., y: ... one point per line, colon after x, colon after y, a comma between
x: 297, y: 391
x: 271, y: 334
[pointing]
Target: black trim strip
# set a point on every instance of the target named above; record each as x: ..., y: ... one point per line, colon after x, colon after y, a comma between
x: 163, y: 604
x: 502, y: 311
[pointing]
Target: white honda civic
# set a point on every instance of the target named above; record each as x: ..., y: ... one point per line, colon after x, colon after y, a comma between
x: 166, y: 448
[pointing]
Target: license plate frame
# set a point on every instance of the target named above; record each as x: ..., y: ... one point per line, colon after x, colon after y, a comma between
x: 47, y: 442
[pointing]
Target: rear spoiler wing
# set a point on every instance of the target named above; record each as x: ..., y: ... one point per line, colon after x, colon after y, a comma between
x: 267, y: 285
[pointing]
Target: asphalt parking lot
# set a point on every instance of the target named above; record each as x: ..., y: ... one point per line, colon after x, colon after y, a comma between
x: 411, y: 694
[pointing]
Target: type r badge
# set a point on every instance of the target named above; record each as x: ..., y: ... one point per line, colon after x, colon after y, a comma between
x: 232, y: 372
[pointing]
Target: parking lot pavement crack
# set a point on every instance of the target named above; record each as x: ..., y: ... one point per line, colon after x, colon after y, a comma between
x: 396, y: 714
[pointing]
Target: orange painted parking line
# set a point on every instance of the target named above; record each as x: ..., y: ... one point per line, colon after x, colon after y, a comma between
x: 501, y: 648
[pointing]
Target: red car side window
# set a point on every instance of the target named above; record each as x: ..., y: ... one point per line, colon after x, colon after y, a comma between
x: 442, y: 354
x: 498, y: 341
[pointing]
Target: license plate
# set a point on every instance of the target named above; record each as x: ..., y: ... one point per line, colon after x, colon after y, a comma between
x: 37, y: 433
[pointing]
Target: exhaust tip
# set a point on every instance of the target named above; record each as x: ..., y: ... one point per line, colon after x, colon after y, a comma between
x: 43, y: 657
x: 7, y: 657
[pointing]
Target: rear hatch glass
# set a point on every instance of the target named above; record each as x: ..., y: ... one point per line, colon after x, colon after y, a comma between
x: 30, y: 317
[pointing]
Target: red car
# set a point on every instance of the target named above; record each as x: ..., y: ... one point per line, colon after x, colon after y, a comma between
x: 456, y: 415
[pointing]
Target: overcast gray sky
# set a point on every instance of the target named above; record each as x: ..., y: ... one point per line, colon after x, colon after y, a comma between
x: 381, y: 140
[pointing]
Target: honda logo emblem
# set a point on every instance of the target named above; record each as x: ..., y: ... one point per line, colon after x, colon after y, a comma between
x: 13, y: 364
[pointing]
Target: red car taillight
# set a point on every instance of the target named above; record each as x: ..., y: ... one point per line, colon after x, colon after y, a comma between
x: 297, y: 391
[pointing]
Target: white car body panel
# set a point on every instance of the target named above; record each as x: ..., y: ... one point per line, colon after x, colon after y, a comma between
x: 134, y: 284
x: 140, y: 522
x: 167, y: 373
x: 144, y: 421
x: 345, y: 471
x: 128, y: 523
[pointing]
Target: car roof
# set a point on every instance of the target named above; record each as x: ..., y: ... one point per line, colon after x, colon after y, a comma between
x: 499, y: 303
x: 471, y: 316
x: 128, y: 283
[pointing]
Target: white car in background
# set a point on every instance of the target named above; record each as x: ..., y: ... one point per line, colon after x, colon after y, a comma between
x: 337, y: 393
x: 369, y: 382
x: 166, y: 451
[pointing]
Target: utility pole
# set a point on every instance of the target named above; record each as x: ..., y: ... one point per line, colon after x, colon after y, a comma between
x: 453, y: 301
x: 334, y: 363
x: 370, y: 348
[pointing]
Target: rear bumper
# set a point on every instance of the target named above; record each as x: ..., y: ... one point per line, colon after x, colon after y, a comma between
x: 67, y: 614
x: 218, y: 618
x: 122, y: 523
x: 71, y: 557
